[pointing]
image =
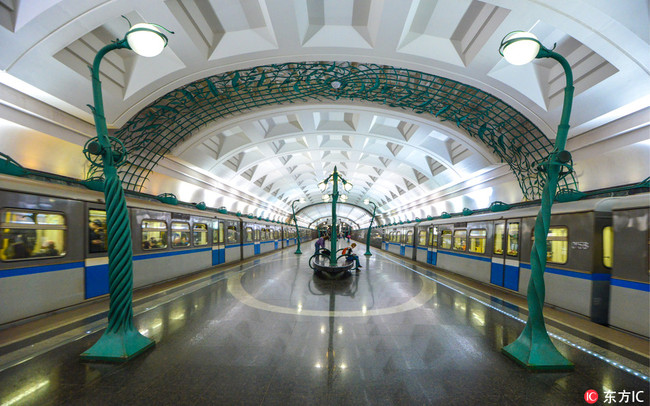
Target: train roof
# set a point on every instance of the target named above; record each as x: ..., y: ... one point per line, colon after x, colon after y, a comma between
x: 639, y: 201
x: 15, y: 184
x: 603, y: 205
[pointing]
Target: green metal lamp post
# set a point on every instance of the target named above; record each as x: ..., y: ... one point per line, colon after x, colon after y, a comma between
x: 121, y: 341
x: 367, y: 201
x: 335, y: 177
x: 534, y: 349
x: 301, y: 200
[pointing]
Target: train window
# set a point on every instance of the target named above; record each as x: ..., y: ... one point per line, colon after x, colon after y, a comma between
x: 513, y: 239
x: 97, y: 241
x: 215, y: 232
x: 29, y: 234
x: 422, y: 238
x: 409, y: 237
x: 257, y: 234
x: 154, y: 234
x: 232, y: 236
x: 477, y: 240
x: 446, y: 239
x: 180, y: 234
x: 460, y: 240
x: 433, y: 236
x: 608, y: 246
x: 557, y: 244
x: 499, y: 229
x: 200, y: 234
x: 249, y: 234
x: 398, y: 235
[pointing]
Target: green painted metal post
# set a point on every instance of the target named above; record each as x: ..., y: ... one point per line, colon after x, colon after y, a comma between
x: 534, y: 349
x: 335, y: 197
x: 296, y: 223
x: 121, y: 341
x: 370, y: 228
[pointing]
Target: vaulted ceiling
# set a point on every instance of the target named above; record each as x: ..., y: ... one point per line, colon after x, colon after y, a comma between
x: 258, y: 100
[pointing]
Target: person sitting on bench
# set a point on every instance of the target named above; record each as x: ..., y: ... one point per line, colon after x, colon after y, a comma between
x: 351, y: 256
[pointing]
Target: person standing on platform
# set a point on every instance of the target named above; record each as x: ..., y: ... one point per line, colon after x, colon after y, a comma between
x: 320, y: 243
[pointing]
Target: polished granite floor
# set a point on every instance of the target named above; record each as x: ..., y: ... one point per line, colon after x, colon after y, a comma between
x: 268, y: 332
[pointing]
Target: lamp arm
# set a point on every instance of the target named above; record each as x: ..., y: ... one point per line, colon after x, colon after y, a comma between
x: 98, y: 108
x: 563, y: 127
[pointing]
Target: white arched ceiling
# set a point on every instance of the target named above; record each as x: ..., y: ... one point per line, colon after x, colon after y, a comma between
x: 274, y: 156
x: 281, y: 155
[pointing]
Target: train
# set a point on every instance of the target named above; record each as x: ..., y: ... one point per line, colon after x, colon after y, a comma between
x: 597, y: 261
x: 53, y: 245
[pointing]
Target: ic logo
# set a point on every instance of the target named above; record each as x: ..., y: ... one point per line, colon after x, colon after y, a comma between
x: 591, y: 396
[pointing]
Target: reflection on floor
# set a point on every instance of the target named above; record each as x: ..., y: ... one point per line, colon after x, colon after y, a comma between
x: 268, y: 332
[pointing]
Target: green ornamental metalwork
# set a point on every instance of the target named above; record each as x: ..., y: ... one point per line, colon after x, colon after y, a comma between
x: 178, y: 115
x: 295, y: 221
x: 121, y: 341
x: 533, y: 349
x: 367, y: 201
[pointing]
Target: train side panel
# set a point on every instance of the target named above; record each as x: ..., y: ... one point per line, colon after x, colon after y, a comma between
x: 630, y: 285
x: 31, y: 280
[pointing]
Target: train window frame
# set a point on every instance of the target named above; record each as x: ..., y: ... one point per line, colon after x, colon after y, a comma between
x: 509, y: 252
x: 202, y: 229
x: 422, y: 238
x: 248, y: 234
x: 482, y: 236
x: 498, y: 238
x: 459, y: 232
x: 164, y: 239
x: 184, y: 231
x: 409, y: 237
x: 232, y: 233
x: 215, y: 232
x: 446, y: 238
x: 433, y: 237
x: 564, y: 238
x: 94, y: 217
x: 35, y: 225
x: 608, y: 246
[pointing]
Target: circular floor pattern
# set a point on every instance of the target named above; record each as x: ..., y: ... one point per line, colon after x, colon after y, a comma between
x: 237, y: 290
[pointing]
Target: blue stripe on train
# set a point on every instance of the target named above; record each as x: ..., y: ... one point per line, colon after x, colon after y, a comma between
x: 40, y: 269
x: 457, y: 254
x: 644, y: 287
x: 574, y: 274
x: 169, y: 253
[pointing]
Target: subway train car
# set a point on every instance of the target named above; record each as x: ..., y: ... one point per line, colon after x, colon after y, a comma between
x: 597, y: 261
x: 629, y: 306
x: 53, y: 249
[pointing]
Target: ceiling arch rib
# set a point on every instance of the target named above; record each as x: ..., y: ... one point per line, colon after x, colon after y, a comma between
x: 175, y: 117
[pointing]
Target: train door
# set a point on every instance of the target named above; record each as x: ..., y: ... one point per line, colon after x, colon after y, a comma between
x: 96, y: 262
x: 402, y: 244
x: 257, y: 240
x: 218, y: 243
x: 421, y: 250
x: 432, y: 254
x: 505, y: 255
x: 276, y: 237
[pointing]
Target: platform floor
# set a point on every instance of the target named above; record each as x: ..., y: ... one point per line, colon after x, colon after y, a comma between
x: 267, y: 332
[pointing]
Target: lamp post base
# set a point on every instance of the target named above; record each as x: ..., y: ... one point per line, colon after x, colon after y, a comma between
x: 539, y: 356
x: 298, y: 252
x: 118, y: 347
x: 368, y: 253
